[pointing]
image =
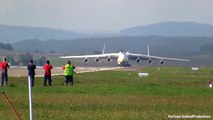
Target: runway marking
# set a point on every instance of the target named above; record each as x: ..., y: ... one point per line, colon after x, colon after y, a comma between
x: 79, y: 72
x: 20, y: 71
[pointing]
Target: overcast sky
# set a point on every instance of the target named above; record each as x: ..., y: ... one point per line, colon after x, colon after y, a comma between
x: 102, y: 15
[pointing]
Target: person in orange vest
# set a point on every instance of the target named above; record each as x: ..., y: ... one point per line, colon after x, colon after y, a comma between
x: 4, y: 76
x: 68, y: 73
x: 47, y: 74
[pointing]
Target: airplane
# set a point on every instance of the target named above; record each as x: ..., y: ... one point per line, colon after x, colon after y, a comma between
x: 123, y: 57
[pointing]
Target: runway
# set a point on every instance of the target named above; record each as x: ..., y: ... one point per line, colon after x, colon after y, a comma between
x: 17, y: 71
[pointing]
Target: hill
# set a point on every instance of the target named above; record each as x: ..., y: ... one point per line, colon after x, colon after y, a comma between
x: 171, y: 29
x: 172, y: 46
x: 11, y: 34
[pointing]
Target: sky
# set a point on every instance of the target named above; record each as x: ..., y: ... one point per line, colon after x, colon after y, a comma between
x: 102, y: 16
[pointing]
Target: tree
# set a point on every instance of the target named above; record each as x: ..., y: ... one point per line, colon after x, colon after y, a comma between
x: 121, y: 50
x: 23, y: 59
x: 6, y: 46
x: 41, y: 61
x: 97, y: 52
x: 206, y: 49
x: 11, y: 60
x: 52, y: 51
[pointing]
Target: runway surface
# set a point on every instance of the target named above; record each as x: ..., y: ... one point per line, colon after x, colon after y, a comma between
x: 17, y: 71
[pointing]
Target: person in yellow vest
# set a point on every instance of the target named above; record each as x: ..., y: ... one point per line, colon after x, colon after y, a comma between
x: 68, y: 73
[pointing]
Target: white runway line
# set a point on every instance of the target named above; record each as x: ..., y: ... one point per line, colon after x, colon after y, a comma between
x: 86, y: 71
x: 21, y: 71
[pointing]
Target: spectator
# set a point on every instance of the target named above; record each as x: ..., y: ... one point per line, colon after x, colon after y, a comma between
x: 68, y: 73
x: 31, y: 72
x: 4, y: 76
x: 47, y: 74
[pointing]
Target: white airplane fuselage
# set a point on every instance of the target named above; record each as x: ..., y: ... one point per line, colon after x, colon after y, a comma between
x: 122, y: 58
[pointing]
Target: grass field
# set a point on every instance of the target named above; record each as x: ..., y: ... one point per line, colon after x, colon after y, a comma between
x: 114, y: 95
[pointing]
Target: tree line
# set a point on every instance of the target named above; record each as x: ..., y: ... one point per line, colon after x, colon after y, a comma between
x: 23, y: 59
x: 6, y: 46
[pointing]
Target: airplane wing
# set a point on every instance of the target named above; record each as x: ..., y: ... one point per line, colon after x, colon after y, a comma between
x: 93, y: 56
x: 142, y: 56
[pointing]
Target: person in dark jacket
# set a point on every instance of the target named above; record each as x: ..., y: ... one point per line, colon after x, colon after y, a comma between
x: 31, y: 72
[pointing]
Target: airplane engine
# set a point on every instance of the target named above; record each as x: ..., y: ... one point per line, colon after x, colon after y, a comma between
x: 108, y: 59
x: 97, y: 60
x: 86, y: 60
x: 150, y: 61
x: 161, y: 62
x: 138, y: 60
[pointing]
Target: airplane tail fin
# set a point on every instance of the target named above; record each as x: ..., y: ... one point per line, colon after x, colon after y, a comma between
x: 103, y: 49
x: 148, y: 53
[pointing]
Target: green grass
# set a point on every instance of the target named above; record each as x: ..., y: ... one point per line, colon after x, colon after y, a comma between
x: 114, y: 95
